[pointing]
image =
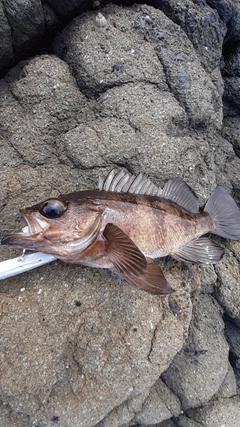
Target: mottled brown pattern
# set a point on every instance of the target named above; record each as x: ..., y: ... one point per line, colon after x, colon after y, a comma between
x: 119, y: 231
x: 137, y: 199
x: 156, y: 225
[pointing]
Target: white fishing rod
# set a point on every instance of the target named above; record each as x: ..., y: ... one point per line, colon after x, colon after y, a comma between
x: 18, y: 265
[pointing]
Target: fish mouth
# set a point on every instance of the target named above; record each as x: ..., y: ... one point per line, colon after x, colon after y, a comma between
x: 25, y: 238
x: 35, y: 225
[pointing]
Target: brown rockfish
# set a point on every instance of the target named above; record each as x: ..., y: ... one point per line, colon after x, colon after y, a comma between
x: 127, y: 222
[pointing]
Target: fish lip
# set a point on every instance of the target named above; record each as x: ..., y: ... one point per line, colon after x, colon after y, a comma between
x: 34, y: 228
x: 35, y: 225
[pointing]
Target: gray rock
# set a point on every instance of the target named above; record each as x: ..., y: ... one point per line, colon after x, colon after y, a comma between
x: 221, y: 412
x: 227, y: 289
x: 161, y: 404
x: 77, y: 347
x: 202, y: 25
x: 228, y: 387
x: 92, y: 59
x: 232, y: 36
x: 83, y: 344
x: 225, y: 8
x: 232, y: 333
x: 198, y: 371
x: 76, y: 335
x: 28, y: 26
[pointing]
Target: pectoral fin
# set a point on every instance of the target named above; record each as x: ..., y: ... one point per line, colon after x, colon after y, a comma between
x: 151, y: 280
x: 130, y: 263
x: 122, y: 252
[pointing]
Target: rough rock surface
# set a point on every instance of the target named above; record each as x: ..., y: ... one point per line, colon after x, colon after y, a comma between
x: 142, y: 90
x: 201, y: 366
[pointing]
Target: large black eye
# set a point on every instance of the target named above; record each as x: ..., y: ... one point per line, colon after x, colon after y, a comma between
x: 53, y: 208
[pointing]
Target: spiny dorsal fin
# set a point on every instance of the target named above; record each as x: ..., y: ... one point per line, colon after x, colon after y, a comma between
x: 175, y: 189
x: 128, y: 183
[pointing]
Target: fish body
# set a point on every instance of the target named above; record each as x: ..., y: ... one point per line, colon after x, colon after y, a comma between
x: 128, y: 222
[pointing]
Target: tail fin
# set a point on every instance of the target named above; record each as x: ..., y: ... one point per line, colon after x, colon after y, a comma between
x: 225, y: 212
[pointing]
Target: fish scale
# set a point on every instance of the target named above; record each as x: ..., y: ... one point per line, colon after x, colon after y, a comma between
x: 125, y: 231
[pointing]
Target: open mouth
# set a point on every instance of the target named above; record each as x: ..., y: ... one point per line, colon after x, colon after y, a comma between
x: 34, y: 225
x: 27, y: 237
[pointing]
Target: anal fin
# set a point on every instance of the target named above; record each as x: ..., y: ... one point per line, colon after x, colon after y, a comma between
x: 201, y: 250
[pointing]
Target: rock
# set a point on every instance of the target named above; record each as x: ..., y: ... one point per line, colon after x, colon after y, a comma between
x: 28, y: 26
x: 70, y: 8
x: 231, y: 131
x: 77, y: 347
x: 69, y: 309
x: 6, y: 48
x: 232, y: 91
x: 228, y: 387
x: 198, y: 371
x: 26, y: 19
x: 203, y: 26
x: 232, y: 64
x: 81, y: 346
x: 97, y: 55
x: 181, y: 421
x: 227, y: 289
x: 232, y: 333
x: 160, y: 404
x: 221, y: 412
x: 225, y: 8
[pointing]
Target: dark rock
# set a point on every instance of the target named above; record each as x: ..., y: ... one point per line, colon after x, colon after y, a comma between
x: 232, y: 91
x: 198, y: 371
x: 231, y: 131
x: 68, y: 9
x: 6, y: 48
x: 26, y: 19
x: 78, y: 347
x: 202, y: 25
x: 232, y: 63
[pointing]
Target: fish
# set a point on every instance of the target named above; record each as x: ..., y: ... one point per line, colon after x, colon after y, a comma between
x: 126, y: 222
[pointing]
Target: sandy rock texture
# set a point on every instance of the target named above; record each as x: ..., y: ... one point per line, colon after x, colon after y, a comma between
x: 146, y: 90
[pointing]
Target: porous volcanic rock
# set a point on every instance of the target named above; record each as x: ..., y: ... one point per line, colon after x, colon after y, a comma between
x: 138, y: 90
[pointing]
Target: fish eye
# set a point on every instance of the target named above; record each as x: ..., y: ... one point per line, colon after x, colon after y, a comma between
x: 53, y: 208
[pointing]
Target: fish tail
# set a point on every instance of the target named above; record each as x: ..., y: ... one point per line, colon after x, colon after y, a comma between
x: 225, y: 213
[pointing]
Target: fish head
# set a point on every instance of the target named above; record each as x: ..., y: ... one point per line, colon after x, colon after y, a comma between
x: 57, y: 226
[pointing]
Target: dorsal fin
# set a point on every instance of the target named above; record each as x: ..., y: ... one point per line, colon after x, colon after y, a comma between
x: 175, y: 189
x: 128, y: 183
x: 179, y: 192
